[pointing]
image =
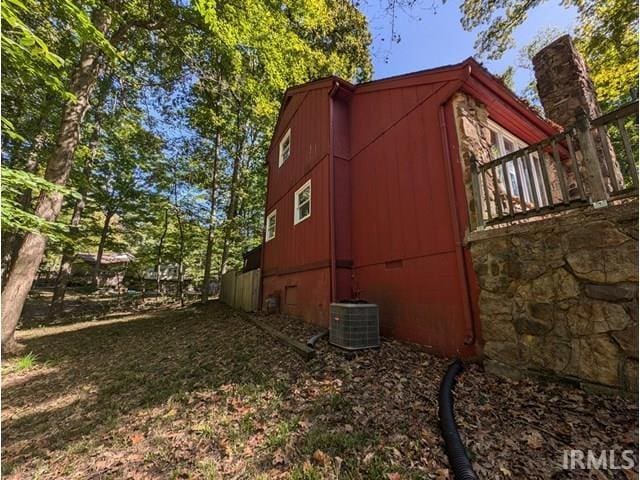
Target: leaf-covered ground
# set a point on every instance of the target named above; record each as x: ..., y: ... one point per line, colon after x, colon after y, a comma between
x: 79, y: 306
x: 202, y: 393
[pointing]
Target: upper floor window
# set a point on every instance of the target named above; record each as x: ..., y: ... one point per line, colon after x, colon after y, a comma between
x: 271, y: 226
x: 285, y: 148
x: 504, y: 143
x: 302, y: 203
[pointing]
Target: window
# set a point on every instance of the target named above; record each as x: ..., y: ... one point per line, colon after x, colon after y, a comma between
x: 271, y: 226
x: 503, y: 143
x: 285, y: 148
x: 302, y: 203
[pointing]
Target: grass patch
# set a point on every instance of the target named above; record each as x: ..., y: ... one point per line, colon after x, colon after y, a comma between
x: 23, y: 363
x: 305, y: 472
x: 208, y: 469
x: 278, y: 438
x: 79, y: 447
x: 377, y: 468
x: 205, y: 430
x: 26, y: 362
x: 334, y: 402
x: 335, y: 443
x: 239, y: 431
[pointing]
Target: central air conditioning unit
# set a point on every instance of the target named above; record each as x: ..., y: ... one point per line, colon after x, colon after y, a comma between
x: 354, y: 326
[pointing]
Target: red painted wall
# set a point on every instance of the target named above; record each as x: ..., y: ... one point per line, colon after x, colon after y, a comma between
x: 307, y: 114
x: 342, y: 188
x: 404, y: 248
x: 296, y: 262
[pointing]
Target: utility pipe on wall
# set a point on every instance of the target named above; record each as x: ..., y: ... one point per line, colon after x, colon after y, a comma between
x: 455, y: 223
x: 332, y: 226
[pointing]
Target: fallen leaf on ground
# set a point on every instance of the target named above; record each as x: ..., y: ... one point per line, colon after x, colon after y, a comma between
x: 278, y: 457
x: 442, y: 474
x: 535, y: 440
x: 320, y: 457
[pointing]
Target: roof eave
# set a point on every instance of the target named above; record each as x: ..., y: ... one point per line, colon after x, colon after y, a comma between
x: 489, y: 80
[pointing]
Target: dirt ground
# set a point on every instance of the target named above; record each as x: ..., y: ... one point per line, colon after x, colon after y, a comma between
x: 200, y: 392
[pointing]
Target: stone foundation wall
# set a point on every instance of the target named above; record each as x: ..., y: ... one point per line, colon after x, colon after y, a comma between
x: 559, y: 297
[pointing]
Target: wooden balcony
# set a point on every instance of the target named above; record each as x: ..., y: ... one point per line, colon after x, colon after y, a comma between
x: 592, y: 162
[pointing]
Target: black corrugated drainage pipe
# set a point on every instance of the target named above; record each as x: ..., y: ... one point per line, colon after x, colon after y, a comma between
x: 458, y: 459
x: 312, y: 341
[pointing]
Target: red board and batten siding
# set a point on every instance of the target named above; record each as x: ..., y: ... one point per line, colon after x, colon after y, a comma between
x: 404, y: 246
x: 342, y: 184
x: 389, y: 211
x: 296, y: 263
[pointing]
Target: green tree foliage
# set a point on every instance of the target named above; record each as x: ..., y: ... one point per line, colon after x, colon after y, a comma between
x: 153, y: 111
x: 17, y: 219
x: 32, y: 77
x: 607, y: 36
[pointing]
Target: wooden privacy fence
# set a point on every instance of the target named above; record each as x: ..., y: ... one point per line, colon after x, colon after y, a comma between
x: 591, y: 162
x: 241, y: 290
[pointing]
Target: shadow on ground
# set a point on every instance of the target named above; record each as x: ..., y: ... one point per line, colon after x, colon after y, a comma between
x: 202, y: 393
x: 94, y: 376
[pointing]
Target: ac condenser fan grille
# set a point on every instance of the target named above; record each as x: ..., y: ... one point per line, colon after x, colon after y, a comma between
x: 354, y: 326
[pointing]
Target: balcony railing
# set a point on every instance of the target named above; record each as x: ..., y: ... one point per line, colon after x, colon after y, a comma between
x: 591, y: 162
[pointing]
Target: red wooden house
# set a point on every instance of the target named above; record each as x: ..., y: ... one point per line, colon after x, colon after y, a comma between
x: 366, y: 197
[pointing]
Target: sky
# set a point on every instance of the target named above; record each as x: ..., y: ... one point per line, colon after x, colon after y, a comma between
x: 432, y: 38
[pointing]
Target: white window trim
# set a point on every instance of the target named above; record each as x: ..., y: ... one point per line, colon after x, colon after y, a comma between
x: 297, y: 220
x: 518, y: 144
x: 275, y: 226
x: 505, y: 134
x: 285, y: 137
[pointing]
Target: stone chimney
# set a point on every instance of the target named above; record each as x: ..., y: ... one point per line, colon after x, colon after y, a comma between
x: 563, y: 82
x: 564, y: 87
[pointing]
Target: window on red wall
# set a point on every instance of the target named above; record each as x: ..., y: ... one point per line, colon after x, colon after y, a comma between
x: 302, y: 203
x: 285, y: 148
x: 271, y: 226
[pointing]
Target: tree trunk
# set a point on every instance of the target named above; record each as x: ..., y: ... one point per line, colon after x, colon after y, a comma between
x: 25, y: 266
x: 180, y: 259
x: 232, y: 208
x: 69, y: 255
x: 159, y: 257
x: 103, y: 241
x: 57, y: 302
x: 212, y: 224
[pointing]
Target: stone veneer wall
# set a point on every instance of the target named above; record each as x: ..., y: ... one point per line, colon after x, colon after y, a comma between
x: 559, y: 296
x: 474, y: 139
